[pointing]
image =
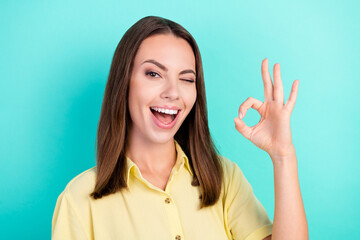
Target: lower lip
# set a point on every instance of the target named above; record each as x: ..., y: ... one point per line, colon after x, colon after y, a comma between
x: 161, y: 124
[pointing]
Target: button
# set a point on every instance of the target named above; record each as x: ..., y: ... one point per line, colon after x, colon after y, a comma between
x: 178, y: 237
x: 167, y: 200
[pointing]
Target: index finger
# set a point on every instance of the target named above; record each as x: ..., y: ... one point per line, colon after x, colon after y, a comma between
x: 268, y: 85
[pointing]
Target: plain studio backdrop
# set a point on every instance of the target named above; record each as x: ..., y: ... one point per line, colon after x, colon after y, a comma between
x: 56, y: 56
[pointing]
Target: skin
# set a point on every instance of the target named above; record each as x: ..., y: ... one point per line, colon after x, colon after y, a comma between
x: 152, y: 148
x: 273, y: 135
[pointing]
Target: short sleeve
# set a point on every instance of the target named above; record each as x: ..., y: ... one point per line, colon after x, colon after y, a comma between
x: 245, y: 217
x: 66, y: 223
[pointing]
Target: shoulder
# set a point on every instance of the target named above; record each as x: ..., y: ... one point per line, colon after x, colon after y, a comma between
x: 229, y: 167
x: 233, y: 175
x: 80, y: 187
x: 73, y: 204
x: 227, y: 163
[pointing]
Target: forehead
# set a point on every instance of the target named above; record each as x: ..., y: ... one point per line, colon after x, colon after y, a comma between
x: 168, y: 49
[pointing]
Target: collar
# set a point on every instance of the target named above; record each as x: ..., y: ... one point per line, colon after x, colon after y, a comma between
x: 181, y: 160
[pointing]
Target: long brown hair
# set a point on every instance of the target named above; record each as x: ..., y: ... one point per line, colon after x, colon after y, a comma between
x: 193, y: 135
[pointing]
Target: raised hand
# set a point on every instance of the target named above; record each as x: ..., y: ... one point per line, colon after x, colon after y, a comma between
x: 272, y: 134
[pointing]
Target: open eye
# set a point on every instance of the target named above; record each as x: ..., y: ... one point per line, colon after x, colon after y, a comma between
x: 151, y: 73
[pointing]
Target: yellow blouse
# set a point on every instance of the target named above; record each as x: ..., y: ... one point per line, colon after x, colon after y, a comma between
x: 144, y: 211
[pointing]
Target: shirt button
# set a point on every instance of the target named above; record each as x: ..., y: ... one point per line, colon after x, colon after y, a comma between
x: 178, y: 237
x: 167, y: 200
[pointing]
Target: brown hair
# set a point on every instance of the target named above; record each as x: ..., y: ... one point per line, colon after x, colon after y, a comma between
x: 193, y: 135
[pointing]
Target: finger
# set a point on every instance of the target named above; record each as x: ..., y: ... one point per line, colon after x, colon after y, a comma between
x: 250, y: 102
x: 242, y: 128
x: 293, y: 95
x: 268, y: 85
x: 278, y: 87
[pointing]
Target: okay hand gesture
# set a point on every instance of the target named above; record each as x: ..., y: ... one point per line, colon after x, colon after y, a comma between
x: 272, y: 134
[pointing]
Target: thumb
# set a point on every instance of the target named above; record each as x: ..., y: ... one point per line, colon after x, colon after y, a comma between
x: 242, y: 128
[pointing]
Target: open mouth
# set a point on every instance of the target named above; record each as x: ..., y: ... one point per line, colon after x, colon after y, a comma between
x: 165, y: 118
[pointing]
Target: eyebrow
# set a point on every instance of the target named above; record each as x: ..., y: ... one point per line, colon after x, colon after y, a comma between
x: 165, y: 69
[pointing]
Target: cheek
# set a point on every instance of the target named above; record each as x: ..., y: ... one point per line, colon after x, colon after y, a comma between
x: 140, y: 96
x: 190, y: 97
x: 135, y: 100
x: 137, y: 91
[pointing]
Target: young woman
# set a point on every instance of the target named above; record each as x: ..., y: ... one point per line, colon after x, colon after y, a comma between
x: 158, y: 173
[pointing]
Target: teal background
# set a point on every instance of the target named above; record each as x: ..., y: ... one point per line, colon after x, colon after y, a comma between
x: 55, y: 59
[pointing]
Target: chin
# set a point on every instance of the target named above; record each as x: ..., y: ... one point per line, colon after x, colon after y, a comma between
x: 162, y: 138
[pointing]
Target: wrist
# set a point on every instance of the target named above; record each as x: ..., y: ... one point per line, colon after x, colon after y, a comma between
x: 286, y: 154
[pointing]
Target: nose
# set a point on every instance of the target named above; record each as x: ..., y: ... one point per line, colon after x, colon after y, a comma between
x: 171, y: 89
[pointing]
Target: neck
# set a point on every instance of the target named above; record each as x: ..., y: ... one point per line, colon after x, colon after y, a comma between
x: 151, y: 157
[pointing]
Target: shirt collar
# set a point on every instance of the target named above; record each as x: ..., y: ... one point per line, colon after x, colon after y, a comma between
x: 180, y: 160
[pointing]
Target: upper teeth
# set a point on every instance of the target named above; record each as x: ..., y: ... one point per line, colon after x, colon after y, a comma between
x: 163, y: 110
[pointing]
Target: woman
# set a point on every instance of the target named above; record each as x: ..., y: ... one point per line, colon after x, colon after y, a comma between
x: 158, y: 173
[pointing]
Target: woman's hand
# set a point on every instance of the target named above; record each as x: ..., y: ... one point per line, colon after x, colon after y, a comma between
x: 272, y: 134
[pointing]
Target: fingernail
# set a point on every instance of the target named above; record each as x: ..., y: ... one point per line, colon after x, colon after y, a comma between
x: 241, y: 115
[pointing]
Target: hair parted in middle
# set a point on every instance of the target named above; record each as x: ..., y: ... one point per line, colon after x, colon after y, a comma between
x: 193, y: 136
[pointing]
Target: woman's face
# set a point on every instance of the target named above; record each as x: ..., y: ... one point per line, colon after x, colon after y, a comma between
x: 162, y: 80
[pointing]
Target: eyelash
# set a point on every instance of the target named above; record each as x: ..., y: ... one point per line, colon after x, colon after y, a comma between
x: 150, y: 72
